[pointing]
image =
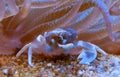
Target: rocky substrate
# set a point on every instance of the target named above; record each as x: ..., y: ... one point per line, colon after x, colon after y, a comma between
x: 60, y: 66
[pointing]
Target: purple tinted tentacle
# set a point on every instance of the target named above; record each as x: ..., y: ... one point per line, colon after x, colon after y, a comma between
x: 62, y: 21
x: 115, y: 9
x: 17, y: 19
x: 2, y: 9
x: 13, y: 7
x: 105, y: 11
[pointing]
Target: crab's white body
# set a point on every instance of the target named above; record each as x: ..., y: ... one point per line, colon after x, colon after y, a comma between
x: 88, y: 54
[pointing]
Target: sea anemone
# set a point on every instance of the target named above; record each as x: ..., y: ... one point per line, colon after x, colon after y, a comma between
x: 96, y: 21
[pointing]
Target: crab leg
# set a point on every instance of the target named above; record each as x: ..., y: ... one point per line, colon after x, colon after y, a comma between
x: 99, y: 49
x: 23, y: 49
x: 30, y: 56
x: 29, y: 53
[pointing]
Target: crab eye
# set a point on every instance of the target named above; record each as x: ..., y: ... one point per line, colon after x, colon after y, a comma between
x: 53, y: 41
x: 59, y: 38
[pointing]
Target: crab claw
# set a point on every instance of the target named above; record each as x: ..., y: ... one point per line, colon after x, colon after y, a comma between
x: 66, y: 47
x: 87, y: 56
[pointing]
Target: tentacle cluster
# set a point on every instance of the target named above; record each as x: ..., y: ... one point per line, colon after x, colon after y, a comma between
x: 94, y: 20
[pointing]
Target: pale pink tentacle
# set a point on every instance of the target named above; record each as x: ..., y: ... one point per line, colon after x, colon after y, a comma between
x: 16, y: 20
x: 108, y: 45
x: 2, y: 10
x: 115, y: 9
x: 98, y: 31
x: 57, y: 23
x: 45, y: 4
x: 39, y: 16
x: 87, y: 22
x: 105, y: 11
x: 11, y: 8
x: 8, y: 46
